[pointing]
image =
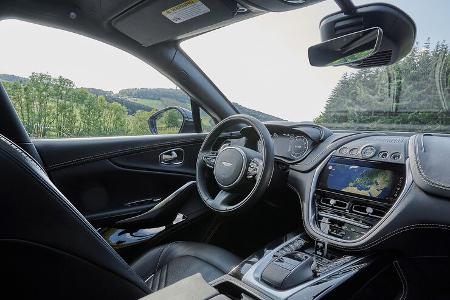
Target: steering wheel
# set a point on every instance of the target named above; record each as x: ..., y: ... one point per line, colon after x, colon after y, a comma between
x: 242, y: 174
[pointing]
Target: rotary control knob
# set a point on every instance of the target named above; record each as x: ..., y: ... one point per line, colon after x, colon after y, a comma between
x: 368, y: 151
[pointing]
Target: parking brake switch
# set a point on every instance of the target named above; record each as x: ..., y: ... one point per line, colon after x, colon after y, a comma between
x: 321, y: 249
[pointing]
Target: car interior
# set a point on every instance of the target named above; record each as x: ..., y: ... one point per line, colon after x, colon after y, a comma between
x: 249, y: 210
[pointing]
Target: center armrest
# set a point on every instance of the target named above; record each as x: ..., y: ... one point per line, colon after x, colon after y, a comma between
x: 193, y: 287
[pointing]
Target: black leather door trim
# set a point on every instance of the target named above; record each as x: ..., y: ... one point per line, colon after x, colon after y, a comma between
x: 63, y: 153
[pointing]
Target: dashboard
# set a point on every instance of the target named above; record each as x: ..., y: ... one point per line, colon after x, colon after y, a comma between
x: 292, y: 142
x: 364, y: 189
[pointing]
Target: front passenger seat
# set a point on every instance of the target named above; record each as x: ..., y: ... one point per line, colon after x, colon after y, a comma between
x: 49, y: 250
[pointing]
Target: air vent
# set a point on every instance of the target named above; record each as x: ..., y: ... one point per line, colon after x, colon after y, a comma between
x: 380, y: 59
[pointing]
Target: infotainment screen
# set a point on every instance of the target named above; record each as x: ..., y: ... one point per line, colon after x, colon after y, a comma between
x: 381, y: 182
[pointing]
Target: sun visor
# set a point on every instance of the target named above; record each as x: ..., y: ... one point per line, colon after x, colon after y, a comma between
x: 155, y: 21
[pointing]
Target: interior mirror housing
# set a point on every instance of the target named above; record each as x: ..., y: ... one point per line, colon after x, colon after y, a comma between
x: 365, y: 36
x: 171, y: 120
x: 348, y: 49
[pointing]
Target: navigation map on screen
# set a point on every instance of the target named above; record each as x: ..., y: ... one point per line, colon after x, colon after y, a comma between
x: 364, y: 181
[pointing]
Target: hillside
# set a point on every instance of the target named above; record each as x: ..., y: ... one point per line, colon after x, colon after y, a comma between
x: 148, y: 99
x: 12, y: 78
x: 257, y: 114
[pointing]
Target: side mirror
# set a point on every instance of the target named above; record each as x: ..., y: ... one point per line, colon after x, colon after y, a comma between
x: 348, y: 49
x: 171, y: 120
x: 371, y: 35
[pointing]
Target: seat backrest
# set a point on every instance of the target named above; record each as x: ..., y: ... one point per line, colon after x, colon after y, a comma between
x: 48, y: 249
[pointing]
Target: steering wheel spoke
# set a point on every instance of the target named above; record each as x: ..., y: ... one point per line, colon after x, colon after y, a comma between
x: 255, y: 168
x: 209, y: 158
x: 223, y: 200
x: 241, y: 173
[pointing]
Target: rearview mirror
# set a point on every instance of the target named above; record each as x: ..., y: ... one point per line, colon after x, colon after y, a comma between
x: 370, y: 35
x: 347, y: 49
x: 171, y: 120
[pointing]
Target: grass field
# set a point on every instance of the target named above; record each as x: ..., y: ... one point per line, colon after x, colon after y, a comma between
x: 161, y: 103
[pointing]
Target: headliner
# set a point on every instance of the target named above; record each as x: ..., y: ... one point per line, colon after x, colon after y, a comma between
x: 135, y: 21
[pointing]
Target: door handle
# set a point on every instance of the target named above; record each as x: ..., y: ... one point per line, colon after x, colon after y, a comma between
x: 172, y: 157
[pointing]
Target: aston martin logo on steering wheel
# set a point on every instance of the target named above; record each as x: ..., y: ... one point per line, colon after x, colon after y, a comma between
x: 227, y: 164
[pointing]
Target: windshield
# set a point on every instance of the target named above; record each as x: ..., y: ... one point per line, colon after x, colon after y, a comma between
x: 262, y: 66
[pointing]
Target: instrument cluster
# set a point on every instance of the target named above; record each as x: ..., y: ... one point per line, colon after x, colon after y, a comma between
x: 290, y: 146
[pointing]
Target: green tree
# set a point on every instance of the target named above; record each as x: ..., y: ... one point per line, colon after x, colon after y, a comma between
x: 413, y: 94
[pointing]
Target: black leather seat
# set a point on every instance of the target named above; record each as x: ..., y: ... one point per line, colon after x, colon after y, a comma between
x: 49, y: 250
x: 170, y: 263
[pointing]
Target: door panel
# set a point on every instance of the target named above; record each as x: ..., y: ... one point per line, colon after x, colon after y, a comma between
x: 108, y: 179
x: 62, y: 153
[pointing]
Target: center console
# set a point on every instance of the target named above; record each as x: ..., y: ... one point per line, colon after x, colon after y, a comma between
x: 356, y: 188
x: 353, y: 195
x: 295, y: 268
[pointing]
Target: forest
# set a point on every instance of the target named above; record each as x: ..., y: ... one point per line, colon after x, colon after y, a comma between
x: 54, y: 108
x: 411, y: 95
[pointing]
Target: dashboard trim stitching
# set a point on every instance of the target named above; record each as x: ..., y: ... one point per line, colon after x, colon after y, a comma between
x: 402, y: 280
x: 119, y: 152
x: 396, y: 232
x: 301, y: 205
x: 426, y: 178
x: 380, y: 239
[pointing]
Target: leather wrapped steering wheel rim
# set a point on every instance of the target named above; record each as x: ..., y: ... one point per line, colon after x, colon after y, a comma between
x: 234, y: 168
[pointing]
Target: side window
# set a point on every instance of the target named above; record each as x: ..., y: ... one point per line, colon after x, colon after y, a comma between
x: 207, y: 122
x: 68, y: 85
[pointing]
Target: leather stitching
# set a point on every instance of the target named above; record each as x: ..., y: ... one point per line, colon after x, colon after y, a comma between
x: 426, y: 178
x: 160, y: 276
x: 396, y: 232
x: 161, y: 254
x: 165, y: 275
x: 380, y: 239
x: 23, y: 153
x: 61, y: 200
x: 402, y: 280
x: 111, y: 154
x: 67, y: 253
x: 155, y: 282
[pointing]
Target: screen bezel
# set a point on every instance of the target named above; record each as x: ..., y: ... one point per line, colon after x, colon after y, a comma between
x: 397, y: 186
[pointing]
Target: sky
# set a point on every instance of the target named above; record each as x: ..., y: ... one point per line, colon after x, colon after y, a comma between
x: 260, y: 63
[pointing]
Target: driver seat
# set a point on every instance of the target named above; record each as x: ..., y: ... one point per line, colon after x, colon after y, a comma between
x: 49, y: 250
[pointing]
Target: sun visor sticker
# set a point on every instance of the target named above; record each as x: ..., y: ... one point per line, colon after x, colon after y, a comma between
x: 186, y: 11
x: 156, y: 21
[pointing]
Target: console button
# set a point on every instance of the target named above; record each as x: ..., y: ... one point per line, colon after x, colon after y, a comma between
x: 353, y: 151
x: 383, y: 154
x: 396, y: 155
x: 320, y: 248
